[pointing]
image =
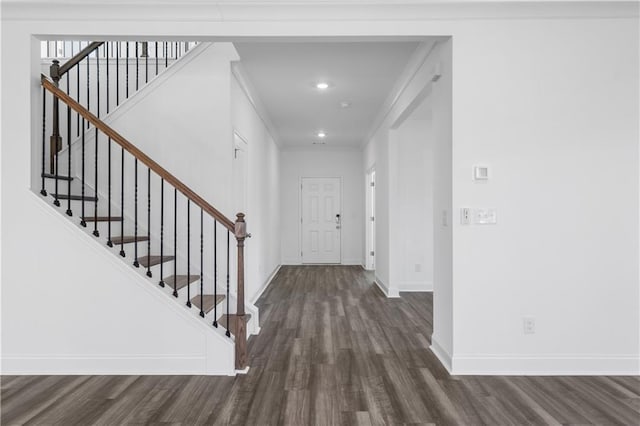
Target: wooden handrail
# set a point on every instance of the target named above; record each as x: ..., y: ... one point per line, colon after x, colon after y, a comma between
x: 79, y: 57
x: 137, y: 153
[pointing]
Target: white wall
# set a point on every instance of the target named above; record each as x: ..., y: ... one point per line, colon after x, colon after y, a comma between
x: 552, y: 108
x: 263, y: 203
x: 562, y: 232
x: 538, y: 99
x: 346, y: 164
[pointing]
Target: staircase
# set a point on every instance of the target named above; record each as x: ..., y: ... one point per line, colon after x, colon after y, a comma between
x: 178, y: 240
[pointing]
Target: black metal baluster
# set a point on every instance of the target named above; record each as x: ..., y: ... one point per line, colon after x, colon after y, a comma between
x: 126, y: 64
x: 69, y: 212
x: 78, y: 93
x: 109, y: 242
x: 122, y: 253
x: 135, y: 216
x: 202, y: 266
x: 175, y: 52
x: 118, y: 73
x: 228, y: 333
x: 55, y: 147
x: 156, y: 46
x: 137, y: 67
x: 161, y: 283
x: 188, y: 252
x: 43, y: 191
x: 166, y: 56
x: 82, y: 222
x: 149, y: 222
x: 88, y: 84
x: 145, y: 51
x: 106, y: 50
x: 95, y: 203
x: 215, y: 273
x: 175, y: 242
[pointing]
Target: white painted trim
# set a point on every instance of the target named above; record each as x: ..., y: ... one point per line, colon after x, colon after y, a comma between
x: 546, y: 365
x: 308, y: 10
x: 414, y: 65
x: 243, y: 371
x: 415, y: 286
x: 351, y: 262
x: 389, y: 292
x: 266, y: 285
x: 252, y: 95
x: 320, y: 148
x: 443, y: 356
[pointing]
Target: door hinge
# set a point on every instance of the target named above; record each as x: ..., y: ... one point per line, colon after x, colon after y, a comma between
x: 371, y: 253
x: 373, y: 219
x: 372, y: 184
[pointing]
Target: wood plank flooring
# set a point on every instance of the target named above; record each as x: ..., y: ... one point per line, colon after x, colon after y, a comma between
x: 332, y: 351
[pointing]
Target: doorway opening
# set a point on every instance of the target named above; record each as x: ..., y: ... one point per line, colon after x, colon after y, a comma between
x: 370, y: 220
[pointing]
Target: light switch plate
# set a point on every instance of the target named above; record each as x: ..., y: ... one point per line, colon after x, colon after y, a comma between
x: 480, y: 173
x: 486, y: 216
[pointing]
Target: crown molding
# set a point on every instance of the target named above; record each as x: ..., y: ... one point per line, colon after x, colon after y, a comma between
x: 310, y: 10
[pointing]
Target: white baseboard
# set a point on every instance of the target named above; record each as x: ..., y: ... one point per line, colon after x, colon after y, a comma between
x: 390, y: 293
x: 415, y: 286
x: 295, y: 262
x: 549, y: 365
x: 255, y: 298
x: 107, y: 364
x: 443, y: 356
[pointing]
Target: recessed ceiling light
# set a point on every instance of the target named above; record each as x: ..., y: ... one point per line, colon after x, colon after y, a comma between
x: 322, y: 134
x: 322, y: 85
x: 345, y: 104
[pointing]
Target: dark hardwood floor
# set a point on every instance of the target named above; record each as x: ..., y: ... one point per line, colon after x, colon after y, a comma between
x: 332, y: 351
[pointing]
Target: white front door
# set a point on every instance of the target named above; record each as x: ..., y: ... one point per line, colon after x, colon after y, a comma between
x: 321, y: 220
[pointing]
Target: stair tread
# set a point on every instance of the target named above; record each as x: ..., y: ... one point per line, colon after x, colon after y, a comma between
x: 153, y: 260
x: 74, y: 197
x: 52, y: 176
x: 180, y: 280
x: 128, y: 239
x: 207, y: 301
x: 232, y: 321
x: 102, y: 218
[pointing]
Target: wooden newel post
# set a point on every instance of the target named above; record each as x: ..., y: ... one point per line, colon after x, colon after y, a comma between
x: 55, y: 142
x: 241, y: 325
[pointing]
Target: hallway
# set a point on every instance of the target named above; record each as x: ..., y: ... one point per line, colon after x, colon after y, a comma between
x: 332, y: 350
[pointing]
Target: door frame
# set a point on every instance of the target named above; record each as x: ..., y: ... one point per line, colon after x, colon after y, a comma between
x: 300, y: 216
x: 370, y: 240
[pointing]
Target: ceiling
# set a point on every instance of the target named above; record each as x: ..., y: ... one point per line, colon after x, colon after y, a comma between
x: 284, y: 74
